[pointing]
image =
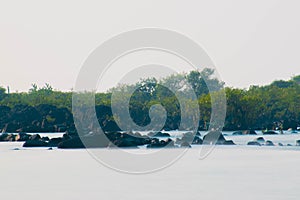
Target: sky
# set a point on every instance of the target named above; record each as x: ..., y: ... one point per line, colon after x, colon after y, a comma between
x: 251, y: 42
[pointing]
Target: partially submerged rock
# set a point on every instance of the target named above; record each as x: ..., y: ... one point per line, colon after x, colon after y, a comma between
x: 254, y: 143
x: 216, y: 137
x: 270, y: 133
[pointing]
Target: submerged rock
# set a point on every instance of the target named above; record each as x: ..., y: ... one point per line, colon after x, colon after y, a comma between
x: 260, y: 139
x: 254, y: 143
x: 269, y: 143
x: 249, y: 132
x: 155, y: 143
x: 270, y: 133
x: 185, y: 144
x: 95, y: 141
x: 216, y: 137
x: 237, y: 133
x: 158, y: 134
x: 35, y: 143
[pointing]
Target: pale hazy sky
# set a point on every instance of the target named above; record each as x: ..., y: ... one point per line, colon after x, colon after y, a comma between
x: 251, y: 42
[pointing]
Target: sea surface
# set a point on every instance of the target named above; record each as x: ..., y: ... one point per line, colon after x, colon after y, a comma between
x: 229, y: 172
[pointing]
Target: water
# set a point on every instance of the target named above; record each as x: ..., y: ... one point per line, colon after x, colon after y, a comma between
x: 229, y: 172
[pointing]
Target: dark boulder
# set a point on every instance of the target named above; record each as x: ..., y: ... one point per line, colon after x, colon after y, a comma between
x: 5, y: 137
x: 35, y: 137
x: 95, y: 141
x: 35, y: 143
x: 298, y: 143
x: 260, y: 139
x: 237, y: 133
x: 155, y: 143
x: 249, y: 132
x: 158, y: 134
x: 269, y: 143
x: 22, y: 137
x: 214, y: 137
x: 198, y: 134
x: 197, y: 140
x: 185, y: 145
x: 130, y: 140
x: 254, y: 143
x: 188, y: 137
x: 54, y: 142
x: 161, y: 134
x: 270, y: 133
x: 228, y: 142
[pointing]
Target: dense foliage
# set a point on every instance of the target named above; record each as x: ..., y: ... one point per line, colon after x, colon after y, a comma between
x: 259, y: 107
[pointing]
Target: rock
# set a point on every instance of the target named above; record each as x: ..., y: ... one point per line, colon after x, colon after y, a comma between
x: 155, y: 143
x: 50, y: 148
x: 160, y: 134
x: 298, y: 143
x: 228, y: 142
x: 5, y: 137
x: 213, y: 137
x: 128, y: 140
x: 54, y: 142
x: 46, y: 139
x: 237, y: 133
x: 95, y: 141
x: 197, y: 140
x: 280, y: 144
x: 185, y: 144
x: 35, y: 143
x: 188, y: 137
x: 269, y: 143
x: 289, y: 145
x: 254, y: 143
x: 35, y: 137
x: 270, y: 133
x: 260, y: 139
x: 249, y: 132
x: 22, y: 137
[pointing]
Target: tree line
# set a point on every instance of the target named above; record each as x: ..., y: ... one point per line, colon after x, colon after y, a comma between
x: 271, y: 106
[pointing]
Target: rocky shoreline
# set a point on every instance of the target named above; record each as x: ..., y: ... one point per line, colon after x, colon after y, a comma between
x: 133, y: 140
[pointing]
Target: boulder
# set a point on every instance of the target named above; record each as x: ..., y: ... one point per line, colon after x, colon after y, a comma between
x: 228, y: 142
x: 280, y: 144
x: 198, y: 134
x: 35, y: 137
x: 270, y: 133
x: 237, y: 133
x: 197, y: 140
x: 298, y: 143
x: 249, y: 132
x: 5, y: 137
x: 155, y: 143
x: 95, y: 141
x: 214, y: 137
x: 128, y: 140
x: 158, y: 134
x: 185, y: 145
x: 260, y: 139
x: 54, y: 142
x: 254, y: 143
x: 269, y: 143
x: 22, y: 137
x: 35, y: 143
